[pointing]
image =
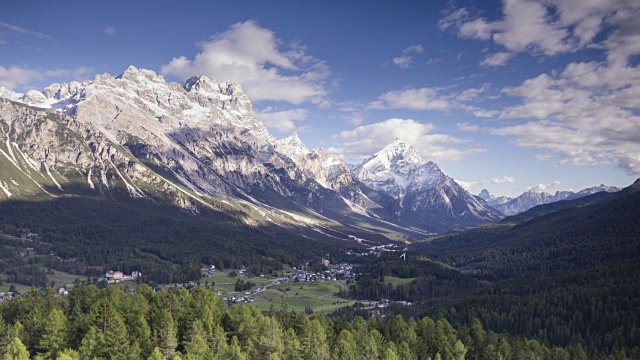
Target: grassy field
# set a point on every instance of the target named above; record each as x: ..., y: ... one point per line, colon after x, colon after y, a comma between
x: 319, y: 295
x: 5, y: 288
x: 60, y: 278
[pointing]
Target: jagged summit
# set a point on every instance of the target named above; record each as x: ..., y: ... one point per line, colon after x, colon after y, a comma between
x: 293, y: 141
x: 399, y: 171
x: 330, y: 171
x: 485, y: 195
x: 148, y: 135
x: 398, y: 150
x: 532, y: 198
x: 135, y: 74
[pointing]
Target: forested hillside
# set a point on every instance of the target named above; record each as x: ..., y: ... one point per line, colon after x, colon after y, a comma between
x: 563, y: 274
x: 115, y: 324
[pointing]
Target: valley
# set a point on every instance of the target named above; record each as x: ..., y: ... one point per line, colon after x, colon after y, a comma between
x: 137, y: 175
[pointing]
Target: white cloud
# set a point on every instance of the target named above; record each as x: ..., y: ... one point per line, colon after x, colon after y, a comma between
x: 465, y: 126
x: 551, y: 27
x: 403, y: 62
x: 483, y: 113
x: 586, y: 113
x: 110, y: 30
x: 497, y: 59
x: 417, y: 49
x: 413, y: 99
x: 365, y: 140
x: 14, y: 76
x: 254, y: 57
x: 544, y: 187
x: 472, y: 93
x: 495, y: 181
x: 355, y: 118
x: 544, y: 157
x: 282, y: 121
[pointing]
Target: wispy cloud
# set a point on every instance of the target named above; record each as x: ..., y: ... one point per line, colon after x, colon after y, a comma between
x: 465, y: 126
x: 13, y: 31
x: 544, y: 187
x: 361, y: 142
x: 494, y: 181
x: 282, y: 121
x: 404, y: 61
x: 110, y: 30
x: 413, y: 99
x: 497, y: 59
x: 549, y: 27
x: 254, y: 57
x: 14, y: 76
x: 587, y: 114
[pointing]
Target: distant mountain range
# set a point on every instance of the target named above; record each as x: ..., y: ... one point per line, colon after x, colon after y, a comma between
x: 137, y: 138
x: 530, y: 198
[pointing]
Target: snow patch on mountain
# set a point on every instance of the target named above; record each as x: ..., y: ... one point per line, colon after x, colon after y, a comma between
x: 530, y: 199
x: 327, y: 170
x: 398, y: 170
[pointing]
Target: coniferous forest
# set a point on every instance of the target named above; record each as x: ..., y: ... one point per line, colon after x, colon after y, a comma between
x: 117, y: 324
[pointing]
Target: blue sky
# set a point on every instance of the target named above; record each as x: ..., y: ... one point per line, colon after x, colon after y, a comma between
x: 505, y: 95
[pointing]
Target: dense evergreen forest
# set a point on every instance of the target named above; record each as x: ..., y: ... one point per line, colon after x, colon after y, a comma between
x: 113, y: 324
x: 563, y: 273
x: 165, y: 243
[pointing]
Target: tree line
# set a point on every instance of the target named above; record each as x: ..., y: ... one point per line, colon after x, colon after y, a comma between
x: 110, y: 323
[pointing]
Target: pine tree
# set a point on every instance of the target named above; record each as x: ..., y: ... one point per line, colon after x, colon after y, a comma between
x: 270, y: 338
x: 390, y: 355
x: 314, y: 341
x: 165, y: 337
x: 345, y: 347
x: 234, y: 352
x: 68, y: 354
x: 197, y: 349
x: 459, y: 351
x: 93, y: 345
x: 292, y: 346
x: 156, y: 355
x: 218, y: 342
x: 54, y: 338
x: 140, y: 332
x: 16, y: 350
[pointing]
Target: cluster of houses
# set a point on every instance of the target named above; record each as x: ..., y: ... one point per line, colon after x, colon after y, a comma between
x: 5, y: 296
x: 114, y: 277
x: 236, y: 299
x: 343, y: 271
x: 208, y: 271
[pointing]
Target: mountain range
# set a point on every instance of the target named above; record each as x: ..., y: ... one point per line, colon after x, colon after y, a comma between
x: 530, y: 198
x: 198, y: 144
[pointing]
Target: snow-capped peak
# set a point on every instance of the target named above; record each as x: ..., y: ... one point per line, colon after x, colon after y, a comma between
x: 399, y: 150
x: 292, y: 144
x: 132, y: 73
x: 394, y: 169
x: 398, y: 170
x: 327, y: 170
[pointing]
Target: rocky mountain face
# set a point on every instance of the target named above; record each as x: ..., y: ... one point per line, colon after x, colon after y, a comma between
x: 327, y: 170
x: 530, y: 199
x: 136, y: 137
x: 492, y: 199
x: 421, y: 187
